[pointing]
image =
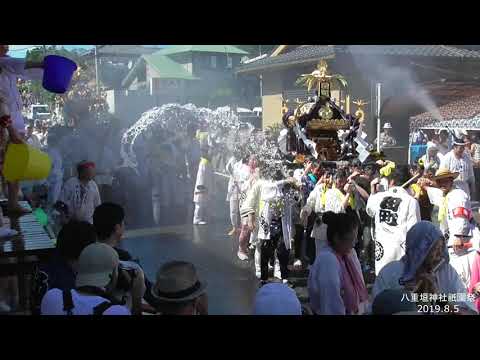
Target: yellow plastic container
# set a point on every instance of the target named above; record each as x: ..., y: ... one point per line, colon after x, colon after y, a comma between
x: 23, y: 162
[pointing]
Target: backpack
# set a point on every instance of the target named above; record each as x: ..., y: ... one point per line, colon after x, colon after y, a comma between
x: 97, y: 310
x: 39, y: 287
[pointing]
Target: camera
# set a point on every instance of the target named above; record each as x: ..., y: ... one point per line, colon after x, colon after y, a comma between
x: 126, y: 276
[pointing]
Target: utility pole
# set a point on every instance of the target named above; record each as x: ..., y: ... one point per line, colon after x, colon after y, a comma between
x: 379, y: 89
x: 261, y: 82
x: 96, y: 70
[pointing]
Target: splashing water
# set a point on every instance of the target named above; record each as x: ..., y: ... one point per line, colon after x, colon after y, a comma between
x: 223, y: 126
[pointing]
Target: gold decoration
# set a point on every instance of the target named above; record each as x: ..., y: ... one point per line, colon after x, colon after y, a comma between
x: 325, y: 112
x: 319, y: 77
x: 332, y: 124
x: 360, y: 113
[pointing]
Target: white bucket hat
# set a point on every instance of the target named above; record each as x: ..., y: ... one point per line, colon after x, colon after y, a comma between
x: 96, y: 264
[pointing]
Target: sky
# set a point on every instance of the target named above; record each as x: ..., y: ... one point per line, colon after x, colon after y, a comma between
x: 21, y: 50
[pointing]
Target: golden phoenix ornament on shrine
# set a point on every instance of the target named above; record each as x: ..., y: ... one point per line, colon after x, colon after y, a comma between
x: 319, y: 77
x: 360, y: 113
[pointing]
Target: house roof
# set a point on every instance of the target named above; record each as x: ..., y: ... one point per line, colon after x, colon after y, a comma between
x: 167, y: 68
x: 463, y: 113
x: 177, y: 49
x: 313, y: 53
x: 123, y: 50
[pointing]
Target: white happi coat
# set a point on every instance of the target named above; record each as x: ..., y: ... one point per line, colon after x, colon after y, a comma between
x: 320, y: 201
x: 260, y: 199
x: 80, y: 208
x: 239, y: 174
x: 205, y: 179
x: 463, y: 260
x: 395, y: 212
x: 456, y: 198
x: 463, y: 166
x: 10, y: 70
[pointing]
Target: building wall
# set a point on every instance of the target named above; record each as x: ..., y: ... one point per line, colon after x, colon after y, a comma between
x: 128, y: 105
x: 278, y: 83
x: 271, y: 99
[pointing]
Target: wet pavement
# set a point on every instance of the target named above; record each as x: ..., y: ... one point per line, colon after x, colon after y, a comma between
x: 231, y: 282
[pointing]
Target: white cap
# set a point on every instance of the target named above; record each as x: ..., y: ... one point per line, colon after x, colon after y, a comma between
x: 96, y: 264
x: 276, y: 299
x: 387, y: 125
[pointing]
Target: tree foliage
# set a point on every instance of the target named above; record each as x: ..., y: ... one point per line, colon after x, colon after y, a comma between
x: 82, y: 97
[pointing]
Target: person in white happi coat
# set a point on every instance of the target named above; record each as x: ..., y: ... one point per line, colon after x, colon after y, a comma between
x: 239, y: 173
x: 463, y: 254
x: 269, y: 211
x: 431, y: 160
x: 444, y: 142
x: 395, y: 211
x: 80, y: 194
x: 203, y: 189
x: 246, y: 234
x: 12, y: 69
x: 457, y: 160
x: 452, y: 202
x: 335, y: 198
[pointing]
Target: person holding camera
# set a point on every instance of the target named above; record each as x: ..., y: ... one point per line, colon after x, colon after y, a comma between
x: 60, y: 271
x: 108, y: 221
x: 96, y: 281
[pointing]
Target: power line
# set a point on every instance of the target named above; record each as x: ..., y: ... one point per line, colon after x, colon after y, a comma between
x: 23, y: 49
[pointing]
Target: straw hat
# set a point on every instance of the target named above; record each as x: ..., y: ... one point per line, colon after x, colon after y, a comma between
x: 445, y: 174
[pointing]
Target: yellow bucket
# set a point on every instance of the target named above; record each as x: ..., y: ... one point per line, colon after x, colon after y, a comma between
x: 24, y: 162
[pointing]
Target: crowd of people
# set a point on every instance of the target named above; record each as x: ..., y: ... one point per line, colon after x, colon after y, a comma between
x: 413, y: 225
x: 375, y: 237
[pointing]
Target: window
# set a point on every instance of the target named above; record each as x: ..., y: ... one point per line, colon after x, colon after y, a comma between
x: 172, y: 84
x: 213, y: 62
x: 229, y: 62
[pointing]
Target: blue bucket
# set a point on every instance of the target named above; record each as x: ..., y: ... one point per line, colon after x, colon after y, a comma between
x: 57, y: 74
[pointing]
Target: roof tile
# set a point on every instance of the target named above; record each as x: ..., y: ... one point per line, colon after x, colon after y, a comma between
x: 316, y: 52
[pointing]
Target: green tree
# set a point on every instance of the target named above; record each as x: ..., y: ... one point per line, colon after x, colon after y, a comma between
x: 82, y: 97
x: 37, y: 54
